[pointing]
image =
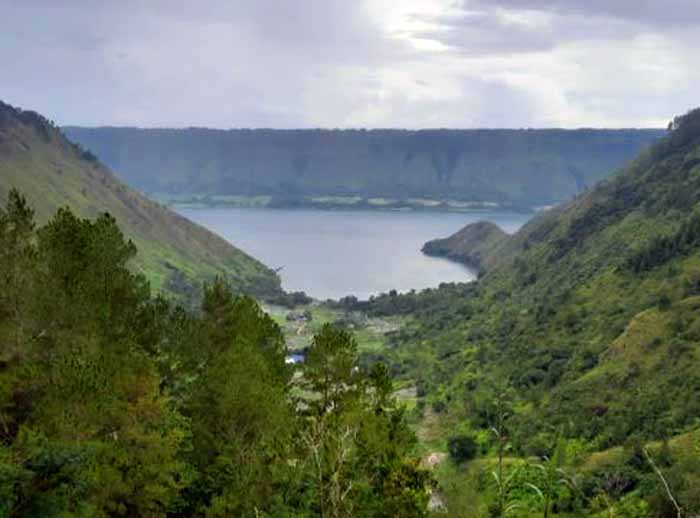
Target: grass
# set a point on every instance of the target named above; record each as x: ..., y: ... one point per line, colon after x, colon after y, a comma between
x: 461, y: 487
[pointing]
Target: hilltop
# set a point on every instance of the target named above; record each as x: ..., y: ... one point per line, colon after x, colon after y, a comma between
x: 447, y: 169
x: 174, y: 253
x: 475, y: 245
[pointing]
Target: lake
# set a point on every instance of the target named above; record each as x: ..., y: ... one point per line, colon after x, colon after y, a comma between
x: 331, y: 254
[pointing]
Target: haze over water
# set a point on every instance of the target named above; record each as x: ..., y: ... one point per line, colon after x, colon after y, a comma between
x: 331, y: 254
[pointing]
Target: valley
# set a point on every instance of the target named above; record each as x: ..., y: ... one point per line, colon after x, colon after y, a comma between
x: 516, y: 356
x: 588, y: 369
x: 350, y: 259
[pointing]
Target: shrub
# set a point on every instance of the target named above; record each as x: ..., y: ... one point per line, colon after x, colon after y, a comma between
x: 462, y: 447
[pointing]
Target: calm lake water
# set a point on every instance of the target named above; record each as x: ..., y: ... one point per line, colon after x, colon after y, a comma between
x: 331, y: 254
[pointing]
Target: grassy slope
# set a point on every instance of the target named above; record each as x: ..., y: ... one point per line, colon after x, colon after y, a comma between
x: 583, y: 338
x: 51, y: 172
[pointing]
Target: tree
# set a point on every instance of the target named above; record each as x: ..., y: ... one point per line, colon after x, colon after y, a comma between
x: 117, y: 403
x: 462, y: 447
x: 551, y: 477
x: 17, y: 263
x: 358, y: 445
x: 90, y: 431
x: 501, y: 413
x: 242, y: 417
x: 229, y: 319
x: 242, y: 425
x: 330, y: 370
x: 86, y: 282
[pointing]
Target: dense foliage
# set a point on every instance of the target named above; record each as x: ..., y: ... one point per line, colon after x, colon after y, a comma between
x: 116, y: 403
x: 664, y: 248
x: 594, y: 324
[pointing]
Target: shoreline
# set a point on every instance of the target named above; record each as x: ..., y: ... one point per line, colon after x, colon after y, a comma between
x: 434, y: 206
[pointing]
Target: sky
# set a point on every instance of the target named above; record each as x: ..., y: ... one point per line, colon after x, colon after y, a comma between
x: 352, y: 63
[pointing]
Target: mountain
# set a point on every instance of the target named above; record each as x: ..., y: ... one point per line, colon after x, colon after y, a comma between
x: 37, y: 159
x: 521, y: 168
x: 589, y: 326
x: 593, y: 304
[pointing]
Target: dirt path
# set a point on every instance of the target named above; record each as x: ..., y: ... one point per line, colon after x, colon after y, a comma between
x: 432, y: 461
x: 428, y: 432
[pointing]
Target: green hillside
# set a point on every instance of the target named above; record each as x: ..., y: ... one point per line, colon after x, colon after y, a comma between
x: 52, y: 172
x: 475, y: 245
x: 363, y: 168
x: 589, y: 327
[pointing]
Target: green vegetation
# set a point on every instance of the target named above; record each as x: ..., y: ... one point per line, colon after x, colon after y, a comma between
x: 382, y: 169
x: 117, y: 403
x: 174, y: 253
x: 476, y: 245
x: 300, y: 324
x: 665, y: 248
x: 590, y: 324
x: 564, y: 383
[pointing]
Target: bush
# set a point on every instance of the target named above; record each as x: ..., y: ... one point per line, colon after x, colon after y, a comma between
x: 664, y: 302
x: 462, y: 447
x: 439, y: 406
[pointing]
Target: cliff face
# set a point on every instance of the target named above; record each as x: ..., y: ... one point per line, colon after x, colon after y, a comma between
x: 510, y: 167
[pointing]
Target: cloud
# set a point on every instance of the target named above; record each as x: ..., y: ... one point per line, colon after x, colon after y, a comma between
x: 339, y: 63
x: 521, y: 26
x: 654, y: 13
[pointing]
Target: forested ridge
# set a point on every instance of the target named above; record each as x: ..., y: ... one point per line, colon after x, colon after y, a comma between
x: 114, y: 402
x: 514, y: 168
x: 579, y: 346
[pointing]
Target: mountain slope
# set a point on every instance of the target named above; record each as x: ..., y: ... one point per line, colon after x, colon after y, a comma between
x: 509, y: 167
x: 580, y: 344
x: 37, y: 159
x: 594, y: 319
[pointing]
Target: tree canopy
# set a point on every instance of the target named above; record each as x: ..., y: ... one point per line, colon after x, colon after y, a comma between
x: 117, y: 403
